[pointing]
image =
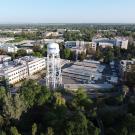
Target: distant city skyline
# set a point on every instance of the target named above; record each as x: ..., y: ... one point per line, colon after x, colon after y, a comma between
x: 67, y: 11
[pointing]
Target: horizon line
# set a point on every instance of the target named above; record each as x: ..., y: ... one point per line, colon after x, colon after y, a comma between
x: 64, y: 23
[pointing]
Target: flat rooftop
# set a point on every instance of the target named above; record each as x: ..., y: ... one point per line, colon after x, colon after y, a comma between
x: 84, y: 71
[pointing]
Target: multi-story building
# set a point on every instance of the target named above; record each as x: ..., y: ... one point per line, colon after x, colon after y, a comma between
x: 47, y: 41
x: 8, y: 48
x: 79, y: 46
x: 110, y: 42
x: 61, y: 31
x: 50, y: 33
x: 73, y: 30
x: 6, y: 39
x: 126, y: 66
x: 34, y: 64
x: 91, y: 45
x: 4, y: 58
x: 74, y: 44
x: 15, y: 73
x: 105, y: 44
x: 122, y: 42
x: 21, y: 68
x: 15, y: 31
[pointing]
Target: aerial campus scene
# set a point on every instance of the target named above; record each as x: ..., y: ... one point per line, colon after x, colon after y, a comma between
x: 67, y: 67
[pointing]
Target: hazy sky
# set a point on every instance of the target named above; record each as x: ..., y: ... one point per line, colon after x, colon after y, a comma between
x: 67, y: 11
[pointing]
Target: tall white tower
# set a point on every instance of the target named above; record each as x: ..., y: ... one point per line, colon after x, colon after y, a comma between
x: 53, y: 77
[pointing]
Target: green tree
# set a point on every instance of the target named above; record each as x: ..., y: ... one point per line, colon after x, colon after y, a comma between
x: 130, y: 77
x: 2, y: 121
x: 108, y: 55
x: 131, y: 105
x: 98, y: 54
x: 34, y: 129
x: 82, y: 100
x: 44, y: 50
x: 67, y: 53
x: 14, y: 131
x: 37, y: 48
x: 43, y: 96
x: 129, y: 123
x: 92, y: 130
x: 38, y: 51
x: 73, y: 55
x: 2, y: 133
x: 77, y: 125
x: 37, y: 54
x: 21, y: 53
x: 2, y: 52
x: 30, y: 89
x: 13, y: 106
x: 59, y: 100
x: 81, y: 56
x: 72, y: 36
x: 2, y: 92
x: 50, y: 131
x: 117, y: 52
x: 125, y: 90
x: 124, y: 131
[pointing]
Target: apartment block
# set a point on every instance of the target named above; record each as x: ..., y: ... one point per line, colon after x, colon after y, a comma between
x: 19, y: 69
x: 126, y: 66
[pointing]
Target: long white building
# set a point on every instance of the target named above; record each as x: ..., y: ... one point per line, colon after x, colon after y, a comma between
x: 19, y: 69
x: 6, y: 39
x: 4, y: 58
x: 121, y: 42
x: 80, y: 46
x: 35, y: 64
x: 8, y: 48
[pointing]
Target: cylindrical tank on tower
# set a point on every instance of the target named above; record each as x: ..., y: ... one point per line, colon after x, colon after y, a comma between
x: 53, y: 48
x: 53, y: 75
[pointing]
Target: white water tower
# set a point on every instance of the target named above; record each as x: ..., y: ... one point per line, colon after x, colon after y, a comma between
x: 53, y: 77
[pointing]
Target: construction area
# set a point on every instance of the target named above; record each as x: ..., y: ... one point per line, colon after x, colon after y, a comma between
x: 86, y: 71
x: 89, y: 74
